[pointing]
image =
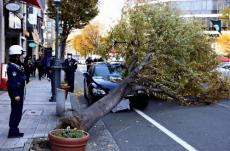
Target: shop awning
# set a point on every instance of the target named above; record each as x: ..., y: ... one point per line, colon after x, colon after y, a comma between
x: 36, y: 3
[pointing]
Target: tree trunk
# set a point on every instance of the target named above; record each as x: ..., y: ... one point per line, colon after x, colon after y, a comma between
x: 63, y: 41
x: 100, y: 108
x: 107, y: 103
x: 92, y: 114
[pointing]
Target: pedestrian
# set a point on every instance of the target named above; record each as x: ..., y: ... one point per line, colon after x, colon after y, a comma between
x: 51, y: 79
x: 70, y: 66
x: 34, y: 65
x: 16, y: 86
x: 88, y: 62
x: 27, y: 64
x: 40, y: 67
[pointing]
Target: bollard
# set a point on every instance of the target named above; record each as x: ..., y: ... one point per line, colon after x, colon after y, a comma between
x: 60, y: 102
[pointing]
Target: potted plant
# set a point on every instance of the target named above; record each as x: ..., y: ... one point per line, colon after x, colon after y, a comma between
x: 68, y: 139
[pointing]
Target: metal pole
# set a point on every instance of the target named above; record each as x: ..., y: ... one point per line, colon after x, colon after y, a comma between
x: 57, y: 65
x: 57, y: 27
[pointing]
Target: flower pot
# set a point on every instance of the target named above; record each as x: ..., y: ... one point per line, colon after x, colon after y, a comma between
x: 68, y: 144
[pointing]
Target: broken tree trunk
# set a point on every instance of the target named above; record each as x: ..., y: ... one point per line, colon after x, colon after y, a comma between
x: 106, y: 104
x: 100, y: 108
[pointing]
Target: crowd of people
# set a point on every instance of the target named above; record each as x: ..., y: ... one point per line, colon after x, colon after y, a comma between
x: 42, y: 64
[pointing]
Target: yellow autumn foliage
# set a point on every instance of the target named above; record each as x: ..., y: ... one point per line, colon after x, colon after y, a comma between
x: 89, y: 40
x: 223, y: 43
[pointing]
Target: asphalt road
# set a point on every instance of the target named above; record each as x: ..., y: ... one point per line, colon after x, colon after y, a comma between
x: 165, y: 126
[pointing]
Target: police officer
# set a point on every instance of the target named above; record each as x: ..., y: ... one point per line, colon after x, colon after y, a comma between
x: 70, y: 66
x: 88, y: 63
x: 15, y: 85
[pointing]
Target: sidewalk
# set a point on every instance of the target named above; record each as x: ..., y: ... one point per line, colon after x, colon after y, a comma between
x: 39, y: 117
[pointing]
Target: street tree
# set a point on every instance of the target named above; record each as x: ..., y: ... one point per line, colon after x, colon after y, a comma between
x: 226, y: 14
x: 223, y: 41
x: 74, y: 14
x: 171, y: 57
x: 90, y: 39
x: 80, y: 45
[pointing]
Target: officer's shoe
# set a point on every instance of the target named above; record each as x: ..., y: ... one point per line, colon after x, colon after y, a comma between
x: 16, y: 135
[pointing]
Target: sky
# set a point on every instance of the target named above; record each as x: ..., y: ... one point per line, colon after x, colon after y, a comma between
x: 109, y: 12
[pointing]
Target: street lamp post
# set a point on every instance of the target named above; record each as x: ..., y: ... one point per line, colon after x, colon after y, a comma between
x: 57, y: 62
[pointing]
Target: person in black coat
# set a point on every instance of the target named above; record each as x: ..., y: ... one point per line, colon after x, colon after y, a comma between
x: 70, y: 66
x: 88, y: 62
x: 15, y: 85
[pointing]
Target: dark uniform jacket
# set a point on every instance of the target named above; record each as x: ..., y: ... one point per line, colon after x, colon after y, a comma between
x: 16, y: 80
x: 70, y: 66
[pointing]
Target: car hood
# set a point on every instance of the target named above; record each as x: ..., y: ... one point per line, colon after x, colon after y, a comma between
x: 107, y: 83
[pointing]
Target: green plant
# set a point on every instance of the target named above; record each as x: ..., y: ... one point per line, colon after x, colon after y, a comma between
x: 69, y: 133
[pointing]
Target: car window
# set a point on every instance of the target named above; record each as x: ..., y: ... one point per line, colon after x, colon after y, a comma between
x: 226, y: 67
x: 101, y: 70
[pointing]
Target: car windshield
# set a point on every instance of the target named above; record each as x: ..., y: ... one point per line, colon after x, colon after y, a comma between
x: 105, y: 70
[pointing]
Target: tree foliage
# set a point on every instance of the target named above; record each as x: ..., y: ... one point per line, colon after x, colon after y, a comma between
x: 90, y: 39
x: 75, y: 14
x: 171, y: 57
x: 225, y: 14
x: 183, y: 64
x: 223, y: 41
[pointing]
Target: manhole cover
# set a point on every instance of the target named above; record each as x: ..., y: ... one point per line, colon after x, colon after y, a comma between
x: 33, y: 112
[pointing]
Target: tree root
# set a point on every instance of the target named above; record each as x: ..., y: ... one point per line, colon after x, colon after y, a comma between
x: 72, y: 121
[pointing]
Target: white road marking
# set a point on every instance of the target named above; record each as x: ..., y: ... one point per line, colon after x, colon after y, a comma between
x: 166, y: 131
x: 223, y: 105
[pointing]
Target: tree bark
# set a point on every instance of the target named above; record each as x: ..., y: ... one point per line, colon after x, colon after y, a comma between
x: 100, y: 108
x: 92, y: 114
x: 64, y: 37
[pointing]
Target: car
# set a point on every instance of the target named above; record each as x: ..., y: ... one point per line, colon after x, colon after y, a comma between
x: 102, y: 78
x: 224, y: 69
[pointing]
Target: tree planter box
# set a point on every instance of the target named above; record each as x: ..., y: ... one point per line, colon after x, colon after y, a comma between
x: 67, y: 144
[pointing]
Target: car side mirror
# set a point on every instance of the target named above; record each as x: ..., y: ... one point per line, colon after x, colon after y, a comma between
x: 86, y: 75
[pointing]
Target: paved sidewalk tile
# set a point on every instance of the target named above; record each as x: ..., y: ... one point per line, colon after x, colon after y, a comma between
x: 38, y: 115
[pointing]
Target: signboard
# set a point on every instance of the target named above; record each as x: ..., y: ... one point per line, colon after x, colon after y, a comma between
x: 4, y: 77
x: 12, y: 7
x: 4, y: 71
x: 32, y: 45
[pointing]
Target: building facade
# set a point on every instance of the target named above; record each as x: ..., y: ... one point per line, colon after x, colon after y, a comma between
x: 14, y: 28
x: 205, y: 10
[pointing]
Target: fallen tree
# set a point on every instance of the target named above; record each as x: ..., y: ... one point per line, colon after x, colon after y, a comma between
x: 169, y: 56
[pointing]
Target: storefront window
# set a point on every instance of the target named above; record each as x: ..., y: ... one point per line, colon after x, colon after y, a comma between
x: 14, y: 21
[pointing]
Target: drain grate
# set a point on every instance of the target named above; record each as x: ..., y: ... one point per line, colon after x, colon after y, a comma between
x: 33, y: 112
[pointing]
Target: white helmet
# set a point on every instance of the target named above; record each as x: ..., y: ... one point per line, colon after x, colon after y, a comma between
x: 15, y: 50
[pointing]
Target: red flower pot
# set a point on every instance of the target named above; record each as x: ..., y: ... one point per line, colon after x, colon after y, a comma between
x: 68, y: 144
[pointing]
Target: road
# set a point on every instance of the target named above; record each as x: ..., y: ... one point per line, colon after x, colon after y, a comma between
x: 165, y: 126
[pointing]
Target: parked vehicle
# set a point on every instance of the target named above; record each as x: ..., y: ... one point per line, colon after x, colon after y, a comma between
x: 224, y: 69
x: 103, y: 77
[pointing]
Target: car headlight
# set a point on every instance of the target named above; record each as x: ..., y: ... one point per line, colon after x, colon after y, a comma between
x: 98, y: 91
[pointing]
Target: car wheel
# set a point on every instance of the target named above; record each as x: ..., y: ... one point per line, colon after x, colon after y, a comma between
x: 139, y: 102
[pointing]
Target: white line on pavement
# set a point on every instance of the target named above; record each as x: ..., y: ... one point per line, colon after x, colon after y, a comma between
x: 166, y: 131
x: 223, y: 105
